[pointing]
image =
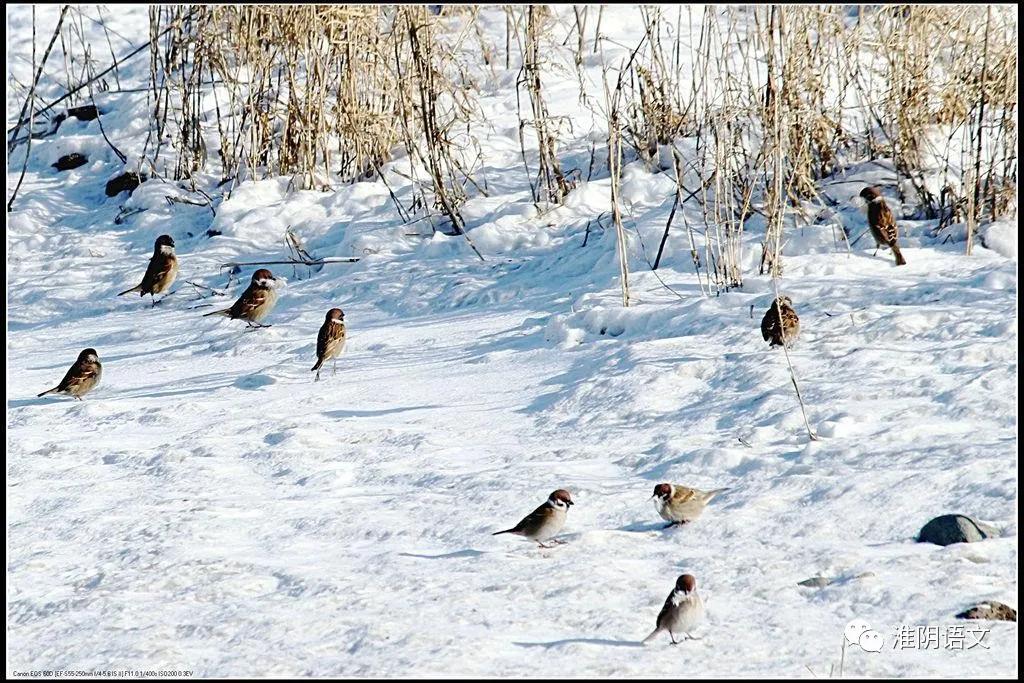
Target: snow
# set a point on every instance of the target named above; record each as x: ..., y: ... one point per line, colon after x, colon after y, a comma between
x: 209, y: 507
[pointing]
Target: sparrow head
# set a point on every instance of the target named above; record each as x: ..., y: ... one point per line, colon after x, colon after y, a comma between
x: 662, y: 491
x: 164, y: 241
x: 263, y: 278
x: 560, y: 499
x: 335, y: 314
x: 870, y: 194
x: 686, y: 583
x: 88, y: 355
x: 785, y: 301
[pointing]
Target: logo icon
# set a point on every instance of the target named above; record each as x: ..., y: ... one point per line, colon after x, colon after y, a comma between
x: 860, y: 634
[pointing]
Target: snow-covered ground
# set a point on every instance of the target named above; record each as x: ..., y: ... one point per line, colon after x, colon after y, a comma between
x: 210, y: 508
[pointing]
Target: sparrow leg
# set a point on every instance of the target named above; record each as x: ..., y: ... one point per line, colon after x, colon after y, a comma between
x: 542, y: 545
x: 673, y: 637
x: 689, y: 637
x: 334, y: 367
x: 317, y: 376
x: 876, y: 251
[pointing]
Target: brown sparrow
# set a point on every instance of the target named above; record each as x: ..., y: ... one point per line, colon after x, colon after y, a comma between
x: 680, y: 504
x: 546, y: 521
x: 162, y: 269
x: 682, y: 611
x: 780, y: 323
x: 256, y: 301
x: 83, y: 376
x: 330, y: 342
x: 882, y: 223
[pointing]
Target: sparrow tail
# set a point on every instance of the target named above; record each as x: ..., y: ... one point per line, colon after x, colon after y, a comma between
x: 48, y: 391
x: 226, y: 311
x: 653, y: 633
x: 136, y: 288
x: 506, y: 531
x: 319, y: 362
x: 900, y: 261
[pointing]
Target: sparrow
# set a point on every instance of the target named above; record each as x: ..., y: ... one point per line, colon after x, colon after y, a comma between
x: 256, y: 301
x: 83, y: 376
x: 546, y: 521
x: 162, y: 269
x: 681, y: 504
x: 682, y: 611
x: 330, y: 341
x: 882, y: 223
x: 780, y: 323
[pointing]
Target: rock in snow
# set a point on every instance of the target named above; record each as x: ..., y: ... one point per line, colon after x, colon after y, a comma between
x: 995, y: 611
x: 950, y: 529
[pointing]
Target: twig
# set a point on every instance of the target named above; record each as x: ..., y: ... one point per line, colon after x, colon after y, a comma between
x: 101, y: 74
x: 216, y: 292
x: 317, y: 262
x: 35, y: 81
x: 30, y: 101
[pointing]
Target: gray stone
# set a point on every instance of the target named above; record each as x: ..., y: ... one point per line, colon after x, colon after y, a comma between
x: 995, y: 611
x: 949, y: 529
x: 816, y: 582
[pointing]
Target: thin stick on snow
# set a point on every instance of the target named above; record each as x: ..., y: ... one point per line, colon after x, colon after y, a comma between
x: 99, y: 75
x: 777, y: 207
x: 39, y: 72
x: 30, y: 101
x: 216, y: 292
x: 293, y: 262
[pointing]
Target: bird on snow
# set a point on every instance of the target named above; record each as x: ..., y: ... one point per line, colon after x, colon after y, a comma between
x: 256, y: 301
x: 162, y: 269
x: 81, y: 378
x: 780, y: 323
x: 546, y: 521
x: 680, y: 504
x: 682, y: 611
x: 882, y: 223
x: 330, y: 341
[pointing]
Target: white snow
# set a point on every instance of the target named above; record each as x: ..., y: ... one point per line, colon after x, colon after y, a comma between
x: 210, y: 508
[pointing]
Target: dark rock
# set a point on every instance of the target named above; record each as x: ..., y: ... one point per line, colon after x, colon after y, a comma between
x: 126, y: 181
x: 949, y: 529
x: 70, y: 161
x: 213, y: 233
x: 994, y: 611
x: 87, y: 112
x: 816, y: 582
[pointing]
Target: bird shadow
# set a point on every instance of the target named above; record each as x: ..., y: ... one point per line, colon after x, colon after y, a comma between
x: 458, y: 554
x: 22, y: 402
x: 584, y: 641
x: 644, y: 526
x: 376, y: 413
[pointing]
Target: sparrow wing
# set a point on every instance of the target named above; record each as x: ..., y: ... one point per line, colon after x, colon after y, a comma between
x: 534, y: 519
x: 252, y: 299
x: 331, y: 333
x: 160, y: 267
x: 78, y: 375
x: 790, y: 320
x: 666, y: 610
x: 769, y: 323
x: 682, y: 494
x: 881, y: 218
